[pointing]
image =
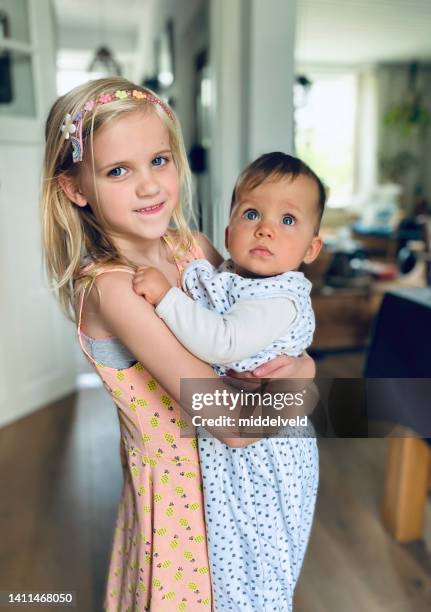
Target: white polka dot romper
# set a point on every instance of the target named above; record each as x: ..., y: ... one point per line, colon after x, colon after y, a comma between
x: 259, y: 500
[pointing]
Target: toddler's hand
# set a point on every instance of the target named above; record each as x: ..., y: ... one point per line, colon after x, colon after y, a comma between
x: 151, y: 284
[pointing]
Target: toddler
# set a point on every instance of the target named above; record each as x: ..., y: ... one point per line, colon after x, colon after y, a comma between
x: 259, y: 500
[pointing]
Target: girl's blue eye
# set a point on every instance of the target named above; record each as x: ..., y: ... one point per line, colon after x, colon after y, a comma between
x: 119, y: 171
x: 289, y: 220
x: 251, y: 214
x: 160, y: 161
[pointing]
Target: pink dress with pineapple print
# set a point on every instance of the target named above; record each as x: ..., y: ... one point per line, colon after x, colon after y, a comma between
x: 159, y: 559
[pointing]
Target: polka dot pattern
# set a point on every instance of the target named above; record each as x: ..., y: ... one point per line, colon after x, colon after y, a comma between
x: 220, y: 289
x: 259, y: 504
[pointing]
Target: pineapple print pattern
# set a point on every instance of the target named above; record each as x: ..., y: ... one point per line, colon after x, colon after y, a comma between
x: 159, y: 558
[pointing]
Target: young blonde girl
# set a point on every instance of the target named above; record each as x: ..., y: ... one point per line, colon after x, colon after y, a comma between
x: 116, y: 180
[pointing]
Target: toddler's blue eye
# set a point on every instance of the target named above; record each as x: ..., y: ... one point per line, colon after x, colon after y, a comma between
x: 160, y: 161
x: 119, y: 171
x: 251, y: 214
x: 288, y: 220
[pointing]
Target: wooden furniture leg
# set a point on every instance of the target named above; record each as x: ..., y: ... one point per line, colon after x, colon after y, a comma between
x: 406, y: 485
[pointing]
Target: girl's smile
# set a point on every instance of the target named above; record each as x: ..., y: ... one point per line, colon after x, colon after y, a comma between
x: 151, y: 210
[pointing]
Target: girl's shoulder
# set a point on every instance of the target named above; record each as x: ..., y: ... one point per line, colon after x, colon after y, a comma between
x: 102, y: 287
x: 208, y: 249
x: 200, y: 248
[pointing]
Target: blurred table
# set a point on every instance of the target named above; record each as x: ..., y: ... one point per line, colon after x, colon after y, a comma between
x: 344, y: 315
x: 399, y: 365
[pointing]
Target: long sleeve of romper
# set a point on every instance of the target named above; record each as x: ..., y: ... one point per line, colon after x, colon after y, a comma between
x: 247, y: 328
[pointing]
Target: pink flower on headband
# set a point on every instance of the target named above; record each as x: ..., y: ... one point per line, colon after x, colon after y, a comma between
x: 121, y: 94
x: 139, y: 95
x: 88, y: 106
x: 104, y: 98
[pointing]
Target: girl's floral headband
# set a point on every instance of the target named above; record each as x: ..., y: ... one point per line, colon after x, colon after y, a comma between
x: 72, y: 126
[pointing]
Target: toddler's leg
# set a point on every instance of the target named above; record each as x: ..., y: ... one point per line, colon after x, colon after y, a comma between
x: 259, y: 504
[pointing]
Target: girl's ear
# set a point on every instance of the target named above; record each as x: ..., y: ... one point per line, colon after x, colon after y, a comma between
x: 313, y: 250
x: 69, y: 186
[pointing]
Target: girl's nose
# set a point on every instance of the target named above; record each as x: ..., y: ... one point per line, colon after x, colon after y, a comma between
x: 147, y: 185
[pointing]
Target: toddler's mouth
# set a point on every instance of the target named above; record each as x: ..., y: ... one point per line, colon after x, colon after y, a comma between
x: 261, y: 251
x: 150, y: 210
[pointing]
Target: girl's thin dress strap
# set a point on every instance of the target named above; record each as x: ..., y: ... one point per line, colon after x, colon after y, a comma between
x: 196, y: 251
x: 177, y: 262
x: 81, y: 303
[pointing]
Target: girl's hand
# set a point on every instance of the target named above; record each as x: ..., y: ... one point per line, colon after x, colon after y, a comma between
x: 151, y: 284
x: 282, y: 367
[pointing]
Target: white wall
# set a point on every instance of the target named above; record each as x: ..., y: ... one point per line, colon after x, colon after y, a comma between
x: 37, y: 356
x: 229, y: 105
x: 272, y: 42
x: 252, y: 64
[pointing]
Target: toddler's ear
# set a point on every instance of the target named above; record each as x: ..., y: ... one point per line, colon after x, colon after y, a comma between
x: 226, y: 237
x: 313, y: 250
x: 69, y: 186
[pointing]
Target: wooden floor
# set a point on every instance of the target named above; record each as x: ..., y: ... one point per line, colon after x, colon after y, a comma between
x: 352, y: 564
x: 61, y: 481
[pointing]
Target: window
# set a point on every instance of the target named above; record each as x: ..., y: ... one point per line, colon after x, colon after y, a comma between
x: 17, y: 87
x: 325, y: 131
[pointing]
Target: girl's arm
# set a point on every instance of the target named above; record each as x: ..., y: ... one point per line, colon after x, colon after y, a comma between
x: 283, y: 367
x: 151, y: 342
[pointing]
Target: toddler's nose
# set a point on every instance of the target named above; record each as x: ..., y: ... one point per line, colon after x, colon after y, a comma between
x: 265, y: 230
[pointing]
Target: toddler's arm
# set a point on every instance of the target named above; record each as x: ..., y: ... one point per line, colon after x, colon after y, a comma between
x: 248, y: 327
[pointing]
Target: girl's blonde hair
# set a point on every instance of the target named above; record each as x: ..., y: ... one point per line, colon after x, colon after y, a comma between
x: 72, y: 234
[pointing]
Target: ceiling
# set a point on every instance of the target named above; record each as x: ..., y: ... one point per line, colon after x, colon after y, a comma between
x: 112, y: 15
x: 328, y: 31
x: 365, y: 31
